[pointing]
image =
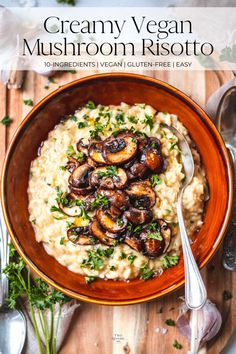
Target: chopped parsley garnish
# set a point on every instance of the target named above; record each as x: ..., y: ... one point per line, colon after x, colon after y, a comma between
x: 112, y: 268
x: 141, y: 105
x: 172, y: 146
x: 132, y: 119
x: 51, y: 80
x: 145, y: 272
x: 61, y: 198
x: 110, y: 171
x: 89, y: 279
x: 80, y: 155
x: 155, y: 180
x: 134, y: 229
x: 54, y: 208
x: 28, y: 102
x: 34, y: 221
x: 177, y: 345
x: 148, y: 120
x: 120, y: 222
x: 73, y: 117
x: 123, y: 255
x: 99, y: 200
x: 82, y: 125
x: 98, y: 129
x: 169, y: 261
x: 62, y: 168
x: 170, y: 322
x: 83, y: 214
x: 62, y: 240
x: 227, y: 295
x: 153, y: 226
x: 70, y: 150
x: 131, y: 258
x: 90, y: 105
x: 69, y: 224
x: 94, y: 260
x: 120, y: 118
x: 155, y: 235
x: 105, y: 252
x: 6, y: 120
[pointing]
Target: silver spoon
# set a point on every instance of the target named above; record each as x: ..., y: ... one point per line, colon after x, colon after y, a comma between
x: 12, y: 322
x: 226, y: 124
x: 195, y: 291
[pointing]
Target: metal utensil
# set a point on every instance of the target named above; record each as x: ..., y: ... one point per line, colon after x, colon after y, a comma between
x: 226, y: 124
x: 12, y: 322
x: 195, y: 291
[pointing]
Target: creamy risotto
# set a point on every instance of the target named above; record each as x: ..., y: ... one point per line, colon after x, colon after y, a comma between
x: 103, y: 191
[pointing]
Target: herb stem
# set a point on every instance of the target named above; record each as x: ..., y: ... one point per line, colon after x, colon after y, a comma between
x: 51, y: 335
x: 56, y: 331
x: 47, y: 339
x: 36, y: 330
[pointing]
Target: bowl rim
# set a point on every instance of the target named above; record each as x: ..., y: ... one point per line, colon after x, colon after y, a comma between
x: 188, y: 100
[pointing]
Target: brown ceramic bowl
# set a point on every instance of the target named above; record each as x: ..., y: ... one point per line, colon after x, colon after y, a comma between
x: 113, y: 89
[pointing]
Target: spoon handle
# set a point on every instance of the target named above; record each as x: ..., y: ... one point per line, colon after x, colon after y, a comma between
x: 195, y: 291
x: 4, y: 259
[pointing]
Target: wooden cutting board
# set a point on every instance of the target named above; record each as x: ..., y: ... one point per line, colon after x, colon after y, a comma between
x: 136, y: 329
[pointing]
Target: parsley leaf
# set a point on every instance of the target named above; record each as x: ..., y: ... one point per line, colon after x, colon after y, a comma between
x: 169, y: 261
x: 177, y: 345
x: 148, y: 120
x: 6, y: 120
x: 131, y: 258
x: 155, y: 235
x: 123, y: 255
x: 155, y: 181
x: 145, y: 272
x: 70, y: 150
x: 170, y: 322
x: 28, y: 102
x: 99, y: 200
x: 82, y: 125
x: 89, y: 279
x: 90, y: 105
x: 109, y: 171
x: 227, y: 295
x: 93, y: 261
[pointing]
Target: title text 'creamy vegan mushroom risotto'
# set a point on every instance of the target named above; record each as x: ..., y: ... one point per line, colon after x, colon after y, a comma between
x: 103, y: 190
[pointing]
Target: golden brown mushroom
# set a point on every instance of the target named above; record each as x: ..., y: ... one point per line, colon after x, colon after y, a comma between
x: 120, y: 149
x: 138, y: 216
x: 98, y: 232
x: 141, y: 194
x: 110, y: 223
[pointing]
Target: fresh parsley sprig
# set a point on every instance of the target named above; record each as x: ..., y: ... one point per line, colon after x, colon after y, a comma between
x: 39, y: 296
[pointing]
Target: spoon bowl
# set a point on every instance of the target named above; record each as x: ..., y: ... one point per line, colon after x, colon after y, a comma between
x: 12, y: 331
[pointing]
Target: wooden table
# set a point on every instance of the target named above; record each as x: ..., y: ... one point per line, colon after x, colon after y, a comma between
x: 135, y: 329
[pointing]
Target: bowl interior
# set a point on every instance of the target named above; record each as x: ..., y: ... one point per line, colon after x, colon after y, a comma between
x: 113, y: 89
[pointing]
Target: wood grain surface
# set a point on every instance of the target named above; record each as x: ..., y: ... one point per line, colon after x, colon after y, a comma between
x: 136, y: 329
